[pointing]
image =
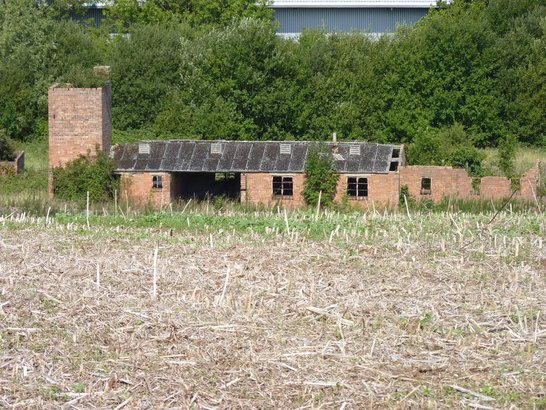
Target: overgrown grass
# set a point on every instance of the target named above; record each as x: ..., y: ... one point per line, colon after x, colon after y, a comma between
x: 525, y: 159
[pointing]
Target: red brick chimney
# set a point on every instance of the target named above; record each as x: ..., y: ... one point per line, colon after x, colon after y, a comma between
x: 80, y: 123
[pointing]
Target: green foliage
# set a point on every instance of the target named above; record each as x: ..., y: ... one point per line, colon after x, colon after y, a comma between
x: 85, y: 174
x: 7, y: 148
x: 469, y: 158
x: 321, y: 176
x: 448, y: 146
x: 198, y: 13
x: 507, y: 155
x: 216, y: 69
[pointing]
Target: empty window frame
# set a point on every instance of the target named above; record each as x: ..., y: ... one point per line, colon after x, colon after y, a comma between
x: 357, y: 187
x: 157, y: 181
x: 283, y: 186
x: 426, y: 186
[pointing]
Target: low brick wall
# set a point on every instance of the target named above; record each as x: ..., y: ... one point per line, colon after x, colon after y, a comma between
x: 16, y: 166
x: 455, y: 182
x: 139, y: 188
x: 445, y: 182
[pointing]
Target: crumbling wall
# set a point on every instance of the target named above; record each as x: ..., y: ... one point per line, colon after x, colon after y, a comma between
x: 13, y: 167
x: 455, y: 182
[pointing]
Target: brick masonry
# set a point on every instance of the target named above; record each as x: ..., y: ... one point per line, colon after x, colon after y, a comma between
x: 138, y: 189
x: 13, y: 167
x: 383, y: 189
x: 257, y: 188
x: 80, y: 123
x: 455, y: 182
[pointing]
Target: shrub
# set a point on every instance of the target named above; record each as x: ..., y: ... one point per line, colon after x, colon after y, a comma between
x: 469, y: 158
x: 7, y: 148
x: 508, y: 147
x: 85, y: 174
x: 321, y: 176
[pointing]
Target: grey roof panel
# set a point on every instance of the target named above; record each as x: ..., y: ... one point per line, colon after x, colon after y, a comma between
x: 297, y: 159
x: 367, y: 157
x: 200, y: 154
x: 211, y: 164
x: 283, y: 160
x: 270, y: 157
x: 141, y: 164
x: 226, y: 161
x: 170, y: 158
x: 246, y: 156
x: 256, y: 155
x: 383, y: 158
x: 241, y: 156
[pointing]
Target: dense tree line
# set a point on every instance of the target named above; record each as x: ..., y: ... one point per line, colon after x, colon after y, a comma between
x: 469, y: 74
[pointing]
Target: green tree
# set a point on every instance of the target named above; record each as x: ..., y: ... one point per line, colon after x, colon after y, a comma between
x: 7, y: 148
x: 508, y: 147
x: 320, y: 176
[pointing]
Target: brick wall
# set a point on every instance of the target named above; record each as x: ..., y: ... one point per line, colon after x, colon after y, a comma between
x: 138, y: 187
x: 382, y: 190
x: 529, y: 182
x: 80, y: 122
x: 445, y: 182
x: 257, y: 188
x: 455, y: 182
x: 16, y: 166
x: 495, y: 188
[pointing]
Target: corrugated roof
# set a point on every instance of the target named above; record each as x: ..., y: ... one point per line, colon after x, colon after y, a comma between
x: 245, y: 156
x: 353, y: 3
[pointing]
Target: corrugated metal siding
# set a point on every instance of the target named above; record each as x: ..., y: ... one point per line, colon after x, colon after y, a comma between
x: 91, y: 14
x: 372, y: 20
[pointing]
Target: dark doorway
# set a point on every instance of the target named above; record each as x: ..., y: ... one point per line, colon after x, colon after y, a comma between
x: 205, y: 185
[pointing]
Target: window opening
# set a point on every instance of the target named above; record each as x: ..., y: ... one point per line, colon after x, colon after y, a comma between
x: 394, y: 166
x: 357, y: 187
x: 396, y: 153
x: 426, y: 186
x: 157, y: 181
x: 283, y: 186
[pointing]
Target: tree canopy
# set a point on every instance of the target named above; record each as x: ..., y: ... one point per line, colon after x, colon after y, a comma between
x: 216, y: 69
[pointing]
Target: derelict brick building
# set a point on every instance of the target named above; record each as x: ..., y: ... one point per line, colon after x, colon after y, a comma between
x: 160, y: 172
x: 252, y: 171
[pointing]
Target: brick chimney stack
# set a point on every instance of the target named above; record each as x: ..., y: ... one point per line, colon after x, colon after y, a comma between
x: 80, y: 122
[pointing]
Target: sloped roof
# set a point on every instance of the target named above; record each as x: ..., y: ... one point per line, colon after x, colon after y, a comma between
x: 246, y: 156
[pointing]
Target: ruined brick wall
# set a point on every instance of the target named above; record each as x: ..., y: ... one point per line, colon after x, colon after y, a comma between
x: 495, y: 188
x: 529, y: 182
x: 80, y: 122
x: 445, y: 182
x: 13, y: 167
x: 138, y: 187
x: 455, y: 182
x: 257, y: 188
x: 382, y: 190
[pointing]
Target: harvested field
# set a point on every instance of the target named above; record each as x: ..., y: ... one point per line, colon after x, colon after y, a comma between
x: 438, y: 311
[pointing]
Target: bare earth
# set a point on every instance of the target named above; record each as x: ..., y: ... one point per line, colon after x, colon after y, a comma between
x: 412, y: 314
